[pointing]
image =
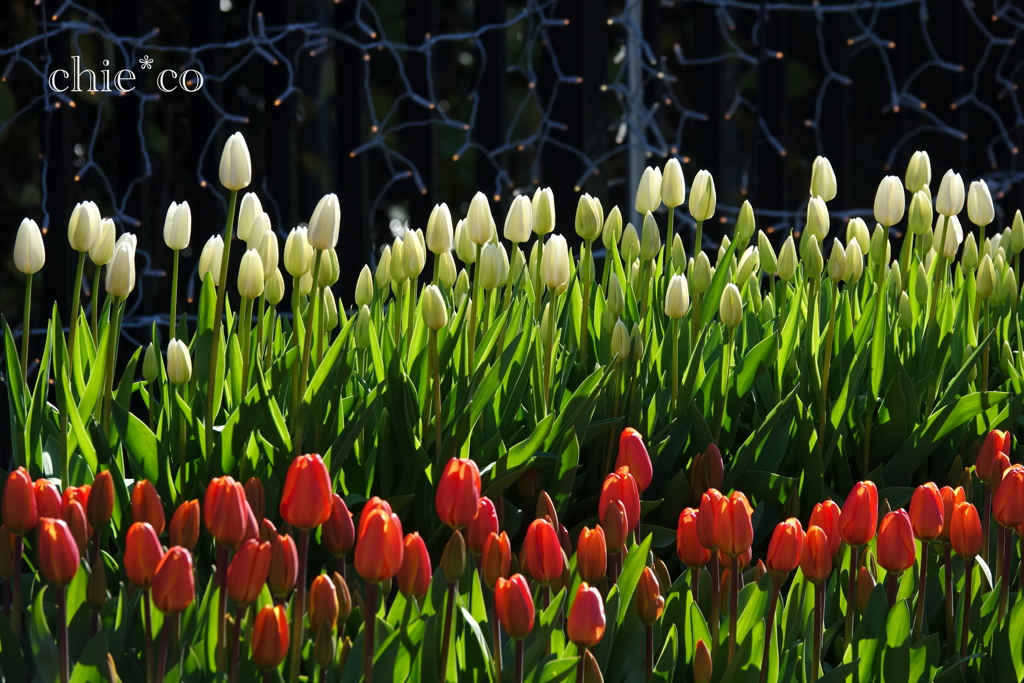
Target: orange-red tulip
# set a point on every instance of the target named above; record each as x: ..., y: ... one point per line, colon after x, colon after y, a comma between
x: 458, y: 493
x: 380, y: 547
x: 710, y: 511
x: 496, y: 559
x: 688, y: 547
x: 542, y: 553
x: 702, y: 663
x: 174, y: 586
x: 485, y: 523
x: 339, y: 532
x: 633, y: 454
x: 725, y: 560
x: 19, y: 505
x: 415, y: 573
x: 252, y: 527
x: 592, y: 555
x: 706, y: 472
x: 57, y: 553
x: 375, y: 503
x: 248, y: 572
x: 323, y: 603
x: 184, y: 529
x: 995, y: 443
x: 926, y: 512
x: 142, y: 553
x: 620, y: 485
x: 48, y: 503
x: 786, y: 546
x: 615, y: 523
x: 284, y: 565
x: 147, y: 506
x: 224, y: 511
x: 816, y: 558
x: 897, y: 550
x: 950, y: 497
x: 307, y: 498
x: 649, y: 601
x: 735, y: 533
x: 965, y: 531
x: 270, y: 637
x: 1008, y: 502
x: 859, y: 517
x: 101, y: 500
x: 74, y: 517
x: 256, y: 497
x: 79, y: 493
x: 586, y: 623
x: 514, y: 605
x: 825, y: 516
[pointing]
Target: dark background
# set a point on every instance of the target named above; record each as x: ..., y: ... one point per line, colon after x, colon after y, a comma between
x: 503, y: 95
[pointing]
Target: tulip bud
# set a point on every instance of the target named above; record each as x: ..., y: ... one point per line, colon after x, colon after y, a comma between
x: 906, y: 312
x: 284, y: 565
x: 250, y: 275
x: 786, y: 546
x: 184, y: 529
x: 636, y: 338
x: 142, y: 554
x: 823, y: 179
x: 57, y: 553
x: 224, y: 511
x: 865, y: 586
x: 702, y: 663
x: 179, y: 363
x: 322, y: 232
x: 586, y: 621
x: 364, y: 287
x: 620, y: 347
x: 307, y: 498
x: 589, y: 218
x: 702, y: 196
x: 817, y: 219
x: 103, y: 248
x: 879, y: 246
x: 73, y: 515
x: 673, y: 185
x: 766, y: 254
x: 965, y: 533
x: 248, y: 210
x: 592, y: 555
x: 920, y: 219
x: 496, y: 559
x: 854, y: 262
x: 890, y: 201
x: 816, y: 556
x: 330, y: 310
x: 1008, y: 501
x: 29, y: 253
x: 897, y: 550
x: 453, y: 559
x: 648, y: 191
x: 147, y: 506
x: 730, y: 310
x: 954, y: 236
x: 702, y: 272
x: 479, y: 223
x: 298, y: 254
x: 379, y: 545
x: 919, y: 172
x: 554, y: 267
x: 677, y: 297
x: 950, y: 200
x: 362, y: 331
x: 969, y: 260
x: 543, y: 205
x: 542, y: 552
x: 787, y: 260
x: 492, y: 269
x: 99, y: 506
x: 859, y: 516
x: 121, y: 271
x: 678, y: 252
x: 514, y: 605
x: 248, y: 572
x: 209, y: 259
x: 986, y: 282
x: 722, y: 248
x: 84, y: 226
x: 270, y: 637
x: 273, y: 288
x: 235, y: 164
x: 979, y: 204
x: 650, y: 238
x: 649, y: 601
x: 748, y: 265
x: 150, y: 364
x: 268, y: 252
x: 630, y: 243
x: 440, y: 235
x: 926, y: 512
x: 414, y: 258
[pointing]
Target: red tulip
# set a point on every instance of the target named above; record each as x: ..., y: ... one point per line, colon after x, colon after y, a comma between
x: 252, y: 527
x: 633, y: 454
x: 688, y: 546
x: 142, y: 554
x: 786, y: 547
x: 184, y: 530
x: 57, y: 553
x: 702, y: 663
x: 706, y: 472
x: 19, y: 504
x: 415, y: 573
x: 725, y: 560
x: 816, y: 559
x: 248, y: 572
x: 380, y: 547
x: 926, y: 512
x: 586, y: 623
x: 542, y: 553
x: 48, y: 502
x: 496, y: 559
x: 649, y: 601
x: 950, y: 497
x: 374, y: 503
x: 224, y: 512
x: 100, y: 504
x: 735, y: 533
x: 339, y: 532
x: 1008, y: 502
x: 711, y: 504
x: 995, y: 443
x: 897, y: 550
x: 615, y: 523
x: 825, y: 516
x: 514, y: 605
x: 458, y: 493
x: 620, y: 485
x: 323, y: 604
x: 859, y: 517
x: 74, y: 517
x: 174, y: 586
x: 79, y: 493
x: 270, y: 637
x: 256, y: 497
x: 284, y: 565
x: 592, y: 555
x: 485, y: 522
x: 147, y: 506
x: 307, y: 497
x: 965, y: 531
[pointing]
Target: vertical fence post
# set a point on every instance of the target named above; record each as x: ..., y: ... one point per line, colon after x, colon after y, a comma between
x: 491, y: 118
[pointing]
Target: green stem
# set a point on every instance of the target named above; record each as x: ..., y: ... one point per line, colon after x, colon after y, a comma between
x: 259, y: 310
x: 307, y: 346
x: 726, y: 366
x: 182, y: 437
x: 173, y: 320
x: 435, y: 363
x: 822, y: 419
x: 698, y: 239
x: 538, y: 289
x: 26, y: 329
x: 940, y: 272
x: 245, y: 332
x: 113, y: 337
x: 585, y: 312
x: 984, y: 351
x: 218, y: 313
x: 675, y: 365
x: 851, y: 595
x: 669, y: 234
x: 95, y: 303
x: 966, y: 617
x: 299, y: 604
x: 549, y: 353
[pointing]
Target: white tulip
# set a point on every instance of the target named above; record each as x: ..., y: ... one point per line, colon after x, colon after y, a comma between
x: 210, y: 258
x: 178, y: 226
x: 250, y: 275
x: 677, y: 297
x: 247, y: 212
x: 648, y: 191
x: 673, y: 185
x: 519, y: 220
x: 702, y: 196
x: 479, y: 224
x: 179, y: 362
x: 919, y: 172
x: 950, y: 200
x: 554, y: 265
x: 979, y: 204
x: 298, y: 254
x: 543, y: 205
x: 103, y: 250
x: 890, y: 201
x: 817, y: 219
x: 29, y: 252
x: 323, y: 226
x: 730, y: 309
x: 235, y: 164
x: 273, y: 288
x: 823, y: 179
x: 439, y: 229
x: 121, y: 271
x: 269, y: 253
x: 260, y: 227
x: 84, y: 227
x: 465, y: 249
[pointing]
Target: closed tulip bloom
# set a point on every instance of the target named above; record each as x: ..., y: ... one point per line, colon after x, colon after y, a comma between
x: 323, y: 604
x: 249, y: 208
x: 380, y: 547
x: 256, y: 497
x: 103, y: 249
x: 633, y: 454
x: 554, y: 266
x: 708, y: 518
x: 979, y: 204
x: 184, y: 529
x: 837, y: 262
x: 250, y: 275
x: 787, y: 260
x: 986, y: 287
x: 414, y: 256
x: 650, y: 238
x: 621, y: 485
x: 248, y: 572
x: 235, y: 164
x: 298, y: 254
x: 224, y: 511
x: 673, y: 185
x: 479, y: 223
x: 919, y: 171
x: 996, y: 442
x: 174, y: 586
x: 611, y: 233
x: 890, y: 201
x: 542, y: 552
x: 496, y: 561
x: 920, y: 218
x: 270, y: 637
x: 142, y: 554
x: 702, y: 663
x: 586, y: 623
x: 648, y: 192
x: 950, y: 199
x: 950, y: 497
x: 100, y: 503
x: 514, y: 605
x: 786, y: 547
x: 592, y: 555
x: 823, y: 179
x: 178, y: 226
x: 702, y: 196
x: 859, y: 517
x: 857, y: 231
x: 825, y: 516
x: 57, y: 552
x: 415, y: 573
x: 79, y: 493
x: 897, y: 550
x: 47, y: 497
x: 433, y: 308
x: 730, y: 309
x: 29, y: 252
x: 1008, y: 502
x: 649, y: 601
x: 690, y: 550
x: 324, y: 224
x: 339, y: 533
x: 465, y: 248
x: 307, y: 498
x: 543, y: 207
x: 458, y: 493
x: 735, y: 533
x: 284, y: 565
x: 816, y: 557
x: 483, y: 525
x: 73, y: 515
x: 121, y: 271
x: 210, y: 258
x: 954, y: 233
x: 926, y: 512
x: 865, y: 586
x: 147, y: 506
x: 817, y: 219
x: 706, y: 472
x: 179, y: 362
x: 84, y: 226
x: 589, y: 217
x: 440, y: 234
x: 965, y: 530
